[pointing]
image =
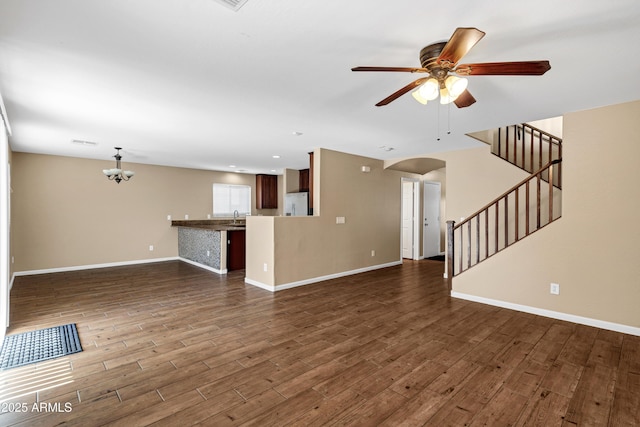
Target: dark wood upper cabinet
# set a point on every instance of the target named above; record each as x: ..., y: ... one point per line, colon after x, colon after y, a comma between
x: 304, y: 180
x: 310, y: 183
x: 266, y: 191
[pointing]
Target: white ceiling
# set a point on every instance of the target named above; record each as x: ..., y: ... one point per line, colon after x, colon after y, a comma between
x: 192, y: 83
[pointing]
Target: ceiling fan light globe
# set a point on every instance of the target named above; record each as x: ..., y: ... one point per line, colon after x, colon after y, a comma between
x: 456, y: 85
x: 429, y: 90
x: 418, y: 97
x: 445, y: 96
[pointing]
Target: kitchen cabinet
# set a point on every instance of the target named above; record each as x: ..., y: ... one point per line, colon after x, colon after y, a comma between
x: 304, y: 180
x: 311, y: 183
x: 266, y: 191
x: 236, y: 246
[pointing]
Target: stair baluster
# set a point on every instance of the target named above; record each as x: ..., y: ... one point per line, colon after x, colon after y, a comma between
x: 464, y: 241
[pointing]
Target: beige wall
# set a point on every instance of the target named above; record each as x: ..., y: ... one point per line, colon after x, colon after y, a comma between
x: 5, y: 239
x: 11, y: 238
x: 311, y: 247
x: 65, y: 213
x: 260, y: 253
x: 592, y: 250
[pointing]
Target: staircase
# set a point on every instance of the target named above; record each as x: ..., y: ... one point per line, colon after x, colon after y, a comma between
x: 525, y: 208
x: 528, y: 148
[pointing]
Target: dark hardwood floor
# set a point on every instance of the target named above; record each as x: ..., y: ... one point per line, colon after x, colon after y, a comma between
x: 171, y: 344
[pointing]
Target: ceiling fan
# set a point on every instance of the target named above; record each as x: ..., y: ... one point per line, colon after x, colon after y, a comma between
x: 440, y: 62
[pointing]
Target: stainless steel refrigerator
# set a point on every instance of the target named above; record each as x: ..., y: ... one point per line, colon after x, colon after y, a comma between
x: 296, y: 204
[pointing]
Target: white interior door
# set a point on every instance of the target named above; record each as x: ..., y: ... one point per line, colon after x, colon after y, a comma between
x: 431, y: 223
x: 407, y: 219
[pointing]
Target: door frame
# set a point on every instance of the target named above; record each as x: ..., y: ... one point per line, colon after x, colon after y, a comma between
x: 415, y: 244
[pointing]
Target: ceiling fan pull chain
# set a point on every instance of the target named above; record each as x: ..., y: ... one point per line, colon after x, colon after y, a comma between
x: 449, y: 118
x: 438, y: 123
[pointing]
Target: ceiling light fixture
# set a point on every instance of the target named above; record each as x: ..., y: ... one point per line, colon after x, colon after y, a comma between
x: 448, y: 88
x: 117, y: 174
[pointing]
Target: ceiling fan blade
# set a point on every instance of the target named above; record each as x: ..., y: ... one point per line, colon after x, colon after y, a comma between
x: 396, y: 69
x: 518, y: 68
x: 465, y: 99
x: 402, y: 91
x: 461, y: 42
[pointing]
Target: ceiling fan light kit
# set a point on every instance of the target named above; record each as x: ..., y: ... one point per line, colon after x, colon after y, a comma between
x: 440, y: 59
x: 429, y: 89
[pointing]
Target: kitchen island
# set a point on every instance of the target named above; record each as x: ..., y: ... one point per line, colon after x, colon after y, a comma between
x: 216, y: 245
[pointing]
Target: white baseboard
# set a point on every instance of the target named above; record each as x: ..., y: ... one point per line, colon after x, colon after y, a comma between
x: 206, y: 267
x: 90, y: 266
x: 318, y: 279
x: 602, y: 324
x: 259, y: 285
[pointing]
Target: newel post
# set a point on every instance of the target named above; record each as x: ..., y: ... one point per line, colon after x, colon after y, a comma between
x: 450, y: 253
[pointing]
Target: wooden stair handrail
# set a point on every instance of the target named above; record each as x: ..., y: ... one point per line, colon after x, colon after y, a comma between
x: 509, y: 191
x: 547, y: 134
x: 526, y: 151
x: 502, y: 223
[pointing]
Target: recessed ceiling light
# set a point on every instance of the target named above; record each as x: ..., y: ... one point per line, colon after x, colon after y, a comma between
x: 232, y: 166
x: 296, y: 133
x: 275, y: 156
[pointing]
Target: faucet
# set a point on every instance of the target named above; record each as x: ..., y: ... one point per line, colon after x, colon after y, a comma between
x: 236, y: 214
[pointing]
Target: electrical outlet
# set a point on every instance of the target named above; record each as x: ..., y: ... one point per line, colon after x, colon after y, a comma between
x: 208, y: 216
x: 186, y: 216
x: 168, y: 217
x: 554, y: 289
x: 151, y: 247
x: 373, y: 252
x: 265, y: 266
x: 13, y: 260
x: 208, y: 253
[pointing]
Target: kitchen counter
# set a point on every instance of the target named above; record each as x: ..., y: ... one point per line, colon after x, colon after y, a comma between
x: 206, y: 242
x: 210, y: 224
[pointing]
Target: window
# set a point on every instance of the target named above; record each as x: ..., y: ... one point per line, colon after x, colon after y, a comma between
x: 229, y: 198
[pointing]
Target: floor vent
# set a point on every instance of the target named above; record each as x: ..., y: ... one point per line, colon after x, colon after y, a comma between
x: 232, y: 4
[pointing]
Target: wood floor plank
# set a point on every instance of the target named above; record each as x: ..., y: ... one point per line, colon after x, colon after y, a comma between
x: 199, y: 412
x: 247, y: 410
x: 502, y: 410
x: 374, y: 410
x: 546, y: 409
x: 330, y: 409
x: 287, y: 411
x: 592, y: 402
x: 154, y: 413
x: 171, y: 344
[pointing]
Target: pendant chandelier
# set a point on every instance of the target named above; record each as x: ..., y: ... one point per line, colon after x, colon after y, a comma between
x: 117, y: 174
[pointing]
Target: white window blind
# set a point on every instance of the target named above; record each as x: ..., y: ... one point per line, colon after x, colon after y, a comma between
x: 228, y: 198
